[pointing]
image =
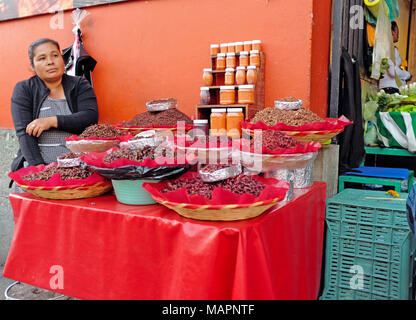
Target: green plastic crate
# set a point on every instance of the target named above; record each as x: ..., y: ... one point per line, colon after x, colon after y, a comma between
x: 368, y: 230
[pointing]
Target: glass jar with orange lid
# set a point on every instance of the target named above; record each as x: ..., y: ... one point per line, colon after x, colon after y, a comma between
x: 248, y: 45
x: 251, y: 74
x: 240, y: 75
x: 227, y: 95
x: 215, y: 49
x: 229, y: 78
x: 239, y: 46
x: 218, y: 121
x: 256, y: 45
x: 231, y: 62
x: 231, y: 47
x: 246, y: 94
x: 234, y: 118
x: 207, y: 77
x: 255, y: 58
x: 220, y: 61
x: 243, y: 62
x: 223, y: 47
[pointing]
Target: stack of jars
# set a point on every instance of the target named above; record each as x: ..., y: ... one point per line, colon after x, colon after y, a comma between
x: 235, y: 47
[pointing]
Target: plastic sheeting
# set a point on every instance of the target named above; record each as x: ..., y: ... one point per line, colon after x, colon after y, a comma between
x: 108, y: 250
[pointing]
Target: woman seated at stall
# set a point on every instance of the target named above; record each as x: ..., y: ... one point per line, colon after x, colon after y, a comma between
x: 49, y: 106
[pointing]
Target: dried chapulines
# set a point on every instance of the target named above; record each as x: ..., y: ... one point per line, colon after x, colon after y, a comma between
x: 69, y: 155
x: 139, y: 155
x: 163, y: 118
x: 66, y: 173
x: 272, y: 140
x: 272, y: 116
x: 100, y: 131
x: 242, y: 184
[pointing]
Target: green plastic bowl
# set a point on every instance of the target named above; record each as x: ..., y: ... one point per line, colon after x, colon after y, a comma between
x: 132, y: 192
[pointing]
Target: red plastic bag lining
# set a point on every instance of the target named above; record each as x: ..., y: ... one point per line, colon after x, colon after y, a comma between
x: 274, y: 189
x: 54, y: 181
x: 244, y: 145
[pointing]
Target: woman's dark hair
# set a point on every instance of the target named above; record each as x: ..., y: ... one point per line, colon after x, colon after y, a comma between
x: 394, y: 25
x: 37, y: 43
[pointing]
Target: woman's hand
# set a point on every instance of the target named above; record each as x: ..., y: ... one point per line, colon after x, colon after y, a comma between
x: 37, y: 126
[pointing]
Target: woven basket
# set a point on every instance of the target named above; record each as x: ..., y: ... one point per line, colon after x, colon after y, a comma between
x: 68, y: 193
x: 321, y: 136
x: 220, y: 212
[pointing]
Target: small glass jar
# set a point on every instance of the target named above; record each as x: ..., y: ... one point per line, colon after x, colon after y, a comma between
x: 239, y: 46
x: 231, y: 61
x: 234, y: 118
x: 256, y: 45
x: 200, y: 127
x: 218, y: 119
x: 240, y: 75
x: 227, y: 95
x: 231, y: 47
x: 255, y: 58
x: 215, y: 49
x: 207, y: 77
x: 251, y: 74
x: 246, y: 94
x: 248, y: 45
x: 223, y: 47
x: 229, y: 77
x: 243, y: 59
x: 220, y: 61
x: 205, y: 96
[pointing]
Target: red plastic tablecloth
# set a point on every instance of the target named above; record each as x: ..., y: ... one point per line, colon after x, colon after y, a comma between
x: 108, y: 250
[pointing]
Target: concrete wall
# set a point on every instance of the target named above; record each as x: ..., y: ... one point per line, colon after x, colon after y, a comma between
x: 8, y: 141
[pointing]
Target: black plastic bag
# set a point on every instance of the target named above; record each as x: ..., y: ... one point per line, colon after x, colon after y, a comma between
x: 138, y: 172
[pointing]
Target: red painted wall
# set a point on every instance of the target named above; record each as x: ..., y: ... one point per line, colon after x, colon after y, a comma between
x: 157, y: 49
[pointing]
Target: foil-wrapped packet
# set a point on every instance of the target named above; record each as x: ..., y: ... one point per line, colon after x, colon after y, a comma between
x: 145, y: 138
x: 288, y: 105
x: 304, y: 177
x: 68, y: 163
x: 161, y: 105
x: 214, y: 173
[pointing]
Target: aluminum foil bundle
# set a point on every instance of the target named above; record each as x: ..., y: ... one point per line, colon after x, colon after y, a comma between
x: 287, y: 175
x: 68, y: 163
x: 220, y: 174
x: 161, y: 105
x: 145, y: 138
x: 288, y: 105
x: 303, y: 177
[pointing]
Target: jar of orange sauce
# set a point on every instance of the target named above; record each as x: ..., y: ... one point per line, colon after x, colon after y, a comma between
x: 251, y: 74
x: 246, y: 94
x: 234, y: 118
x: 231, y: 62
x: 256, y: 45
x: 231, y: 47
x: 223, y: 47
x: 218, y: 121
x: 220, y: 61
x: 239, y: 46
x: 215, y: 49
x: 229, y: 76
x: 207, y: 77
x: 227, y: 95
x: 240, y: 75
x: 248, y: 45
x: 243, y: 59
x: 255, y: 58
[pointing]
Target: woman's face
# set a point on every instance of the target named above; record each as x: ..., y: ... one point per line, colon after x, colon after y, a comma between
x: 48, y: 62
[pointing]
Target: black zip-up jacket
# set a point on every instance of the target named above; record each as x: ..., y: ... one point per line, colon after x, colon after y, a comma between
x: 27, y: 99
